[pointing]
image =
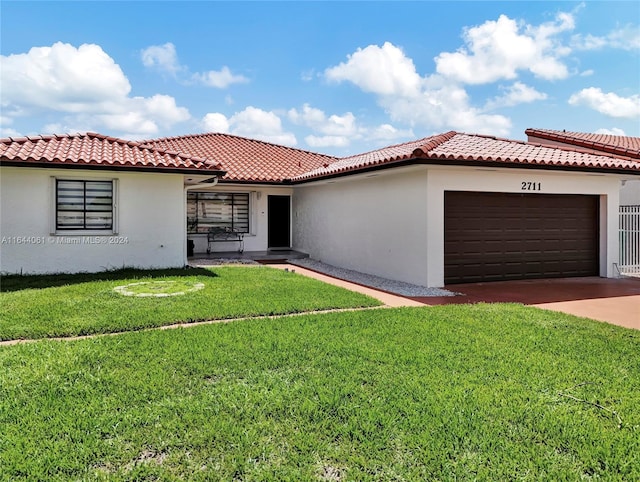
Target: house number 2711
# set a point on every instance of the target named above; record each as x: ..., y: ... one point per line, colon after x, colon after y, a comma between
x: 530, y: 186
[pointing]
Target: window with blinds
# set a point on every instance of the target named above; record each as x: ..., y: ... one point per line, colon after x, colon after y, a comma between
x: 206, y: 210
x: 84, y: 205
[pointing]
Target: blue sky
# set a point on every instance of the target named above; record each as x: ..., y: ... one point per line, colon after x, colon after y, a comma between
x: 332, y: 77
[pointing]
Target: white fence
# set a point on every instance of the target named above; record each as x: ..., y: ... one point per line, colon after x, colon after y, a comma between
x: 629, y: 226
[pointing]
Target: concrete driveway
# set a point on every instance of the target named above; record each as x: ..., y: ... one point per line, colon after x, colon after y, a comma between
x: 614, y: 301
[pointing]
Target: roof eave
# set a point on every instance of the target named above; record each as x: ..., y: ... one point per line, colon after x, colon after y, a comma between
x: 111, y: 167
x: 468, y: 163
x: 241, y: 182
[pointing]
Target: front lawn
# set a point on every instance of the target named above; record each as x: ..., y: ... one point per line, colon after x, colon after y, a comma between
x: 466, y: 392
x: 64, y: 305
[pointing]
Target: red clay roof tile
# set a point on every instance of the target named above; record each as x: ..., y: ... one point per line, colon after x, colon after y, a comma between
x: 246, y: 160
x: 470, y: 148
x: 386, y: 155
x: 625, y: 146
x: 93, y: 149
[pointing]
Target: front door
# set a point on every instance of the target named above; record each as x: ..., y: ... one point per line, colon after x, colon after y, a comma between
x: 279, y: 211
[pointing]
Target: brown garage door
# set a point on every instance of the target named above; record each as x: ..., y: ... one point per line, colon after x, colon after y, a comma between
x: 502, y: 236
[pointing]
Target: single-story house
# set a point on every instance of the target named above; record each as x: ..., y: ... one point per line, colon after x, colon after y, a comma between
x: 447, y: 208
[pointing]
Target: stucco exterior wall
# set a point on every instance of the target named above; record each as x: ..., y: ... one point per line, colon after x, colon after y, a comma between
x: 150, y: 212
x: 257, y: 238
x: 630, y: 192
x: 392, y: 225
x: 375, y: 224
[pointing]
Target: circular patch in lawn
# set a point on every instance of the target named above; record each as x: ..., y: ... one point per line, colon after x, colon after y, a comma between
x: 158, y: 289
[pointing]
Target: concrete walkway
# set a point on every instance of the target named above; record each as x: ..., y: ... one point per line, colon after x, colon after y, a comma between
x: 388, y: 299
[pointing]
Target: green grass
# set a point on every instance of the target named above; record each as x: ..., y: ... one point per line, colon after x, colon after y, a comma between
x: 65, y: 305
x: 466, y: 392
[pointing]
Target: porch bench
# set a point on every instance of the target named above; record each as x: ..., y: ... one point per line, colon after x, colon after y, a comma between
x: 224, y: 235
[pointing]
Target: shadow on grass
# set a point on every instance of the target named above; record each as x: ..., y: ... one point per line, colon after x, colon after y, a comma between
x: 17, y: 282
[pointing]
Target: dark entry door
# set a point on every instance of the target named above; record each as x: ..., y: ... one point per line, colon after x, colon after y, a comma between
x: 279, y: 211
x: 503, y: 236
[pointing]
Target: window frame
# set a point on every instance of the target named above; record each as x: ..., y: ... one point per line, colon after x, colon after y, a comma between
x: 56, y: 228
x: 225, y: 224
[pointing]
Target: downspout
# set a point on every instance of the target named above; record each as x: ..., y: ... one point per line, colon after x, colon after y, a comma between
x: 184, y: 210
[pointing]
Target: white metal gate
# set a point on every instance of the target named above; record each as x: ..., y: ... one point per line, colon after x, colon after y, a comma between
x: 629, y: 240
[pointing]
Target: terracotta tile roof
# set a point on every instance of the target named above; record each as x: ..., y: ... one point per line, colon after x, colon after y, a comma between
x: 463, y: 149
x: 246, y: 160
x: 249, y: 160
x: 386, y: 155
x: 620, y: 145
x: 96, y: 150
x: 468, y: 147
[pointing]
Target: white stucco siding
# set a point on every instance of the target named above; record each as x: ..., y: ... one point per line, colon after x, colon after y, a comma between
x: 392, y: 225
x: 375, y: 225
x: 630, y: 192
x: 150, y: 222
x: 257, y: 238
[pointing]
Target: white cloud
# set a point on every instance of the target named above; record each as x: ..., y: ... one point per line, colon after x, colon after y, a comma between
x: 309, y: 116
x: 260, y: 124
x: 162, y: 57
x: 132, y: 121
x: 624, y: 38
x: 587, y: 73
x: 432, y: 102
x: 71, y: 125
x: 499, y: 49
x: 55, y: 128
x: 308, y: 75
x: 220, y: 79
x: 609, y: 104
x: 614, y: 131
x: 86, y: 87
x: 518, y: 93
x: 165, y: 58
x: 146, y: 115
x: 386, y: 132
x: 251, y: 122
x: 335, y: 130
x: 443, y: 108
x: 340, y: 130
x: 588, y: 42
x: 9, y: 132
x: 62, y: 77
x: 215, y: 122
x: 326, y: 141
x: 381, y: 70
x: 334, y: 125
x: 163, y: 109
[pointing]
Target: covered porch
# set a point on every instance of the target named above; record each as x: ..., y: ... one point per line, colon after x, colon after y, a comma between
x: 264, y: 257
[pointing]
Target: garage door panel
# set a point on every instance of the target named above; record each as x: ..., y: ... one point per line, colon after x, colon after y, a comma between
x: 491, y: 236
